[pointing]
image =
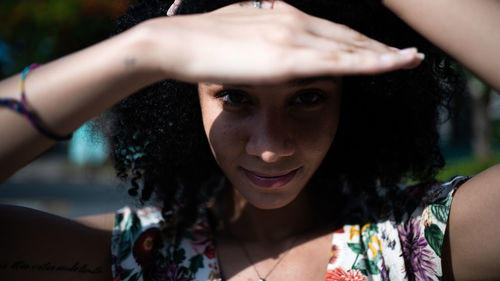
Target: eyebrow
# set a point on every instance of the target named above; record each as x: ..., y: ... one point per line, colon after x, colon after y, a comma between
x: 300, y: 82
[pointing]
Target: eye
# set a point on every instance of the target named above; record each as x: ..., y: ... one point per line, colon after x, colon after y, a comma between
x: 233, y: 97
x: 308, y: 98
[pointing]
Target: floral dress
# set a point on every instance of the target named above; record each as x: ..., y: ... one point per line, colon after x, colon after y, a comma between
x: 405, y: 249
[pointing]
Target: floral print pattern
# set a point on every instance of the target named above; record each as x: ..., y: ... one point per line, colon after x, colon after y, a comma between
x: 202, y: 240
x: 338, y: 274
x: 144, y: 245
x: 140, y: 253
x: 419, y: 258
x: 407, y: 248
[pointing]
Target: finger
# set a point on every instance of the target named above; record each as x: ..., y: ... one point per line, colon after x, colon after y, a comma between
x: 318, y: 43
x: 343, y: 33
x: 416, y: 62
x: 327, y: 45
x: 173, y: 9
x: 375, y: 63
x: 338, y: 49
x: 313, y: 63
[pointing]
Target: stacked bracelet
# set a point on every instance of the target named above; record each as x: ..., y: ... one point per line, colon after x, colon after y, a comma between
x: 21, y: 108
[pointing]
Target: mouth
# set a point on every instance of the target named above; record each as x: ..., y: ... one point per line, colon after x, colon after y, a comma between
x: 270, y: 181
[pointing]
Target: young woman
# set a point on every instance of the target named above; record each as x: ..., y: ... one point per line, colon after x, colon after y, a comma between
x: 291, y: 170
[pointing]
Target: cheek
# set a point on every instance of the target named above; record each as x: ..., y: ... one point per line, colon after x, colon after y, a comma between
x: 223, y: 137
x: 314, y: 137
x: 222, y: 132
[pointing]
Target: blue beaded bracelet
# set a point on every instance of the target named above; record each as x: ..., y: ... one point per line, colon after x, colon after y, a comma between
x: 21, y: 108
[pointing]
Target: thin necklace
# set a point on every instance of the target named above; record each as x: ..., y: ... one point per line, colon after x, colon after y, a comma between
x: 252, y: 263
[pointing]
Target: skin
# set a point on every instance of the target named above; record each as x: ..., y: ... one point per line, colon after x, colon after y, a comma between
x: 266, y: 222
x: 448, y: 24
x: 58, y: 241
x: 271, y: 130
x: 454, y: 26
x: 306, y: 47
x: 472, y: 244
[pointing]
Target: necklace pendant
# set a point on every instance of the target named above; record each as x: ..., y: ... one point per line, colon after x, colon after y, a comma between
x: 262, y: 279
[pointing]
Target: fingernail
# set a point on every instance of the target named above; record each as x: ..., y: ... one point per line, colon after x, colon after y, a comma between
x: 421, y: 56
x: 408, y: 51
x: 387, y: 58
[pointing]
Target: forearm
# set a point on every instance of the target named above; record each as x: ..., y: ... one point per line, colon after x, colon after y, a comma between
x: 465, y: 29
x: 41, y: 246
x: 69, y: 91
x: 220, y: 47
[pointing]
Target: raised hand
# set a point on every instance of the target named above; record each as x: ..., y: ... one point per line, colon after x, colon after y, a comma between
x: 234, y: 44
x: 240, y: 43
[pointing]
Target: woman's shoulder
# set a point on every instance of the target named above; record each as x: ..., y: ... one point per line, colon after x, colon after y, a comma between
x: 405, y: 244
x: 472, y: 246
x: 430, y: 201
x: 443, y: 229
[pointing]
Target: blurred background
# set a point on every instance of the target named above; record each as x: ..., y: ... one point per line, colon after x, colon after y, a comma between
x: 76, y: 178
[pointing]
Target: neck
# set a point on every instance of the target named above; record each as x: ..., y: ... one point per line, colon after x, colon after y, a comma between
x: 252, y: 224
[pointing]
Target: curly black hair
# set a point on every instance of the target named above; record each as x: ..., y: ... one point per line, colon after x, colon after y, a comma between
x: 387, y: 132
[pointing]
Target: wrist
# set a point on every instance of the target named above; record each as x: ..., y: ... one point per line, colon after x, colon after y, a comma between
x: 133, y: 60
x: 148, y: 53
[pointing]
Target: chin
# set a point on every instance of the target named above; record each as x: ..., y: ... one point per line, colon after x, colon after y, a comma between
x: 270, y: 202
x: 269, y: 198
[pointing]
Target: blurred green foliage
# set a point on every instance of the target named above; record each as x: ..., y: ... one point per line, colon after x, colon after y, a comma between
x: 43, y: 30
x: 467, y: 166
x: 495, y: 130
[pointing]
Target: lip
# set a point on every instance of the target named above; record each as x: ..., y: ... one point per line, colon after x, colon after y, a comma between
x: 270, y: 181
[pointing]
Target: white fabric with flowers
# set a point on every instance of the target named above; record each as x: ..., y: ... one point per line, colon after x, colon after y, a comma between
x: 407, y: 249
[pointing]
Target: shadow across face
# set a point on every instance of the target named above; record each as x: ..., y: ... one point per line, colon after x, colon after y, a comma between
x: 270, y: 139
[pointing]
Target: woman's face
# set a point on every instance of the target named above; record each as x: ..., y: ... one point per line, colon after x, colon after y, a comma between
x: 269, y: 140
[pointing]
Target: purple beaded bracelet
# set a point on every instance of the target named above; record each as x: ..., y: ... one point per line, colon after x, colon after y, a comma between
x: 21, y: 108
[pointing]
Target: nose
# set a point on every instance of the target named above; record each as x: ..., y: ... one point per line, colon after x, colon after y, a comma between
x: 271, y: 137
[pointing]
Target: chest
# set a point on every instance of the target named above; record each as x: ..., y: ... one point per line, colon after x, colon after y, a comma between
x: 306, y: 260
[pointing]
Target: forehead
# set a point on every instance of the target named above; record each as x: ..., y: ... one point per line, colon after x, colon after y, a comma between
x: 295, y: 83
